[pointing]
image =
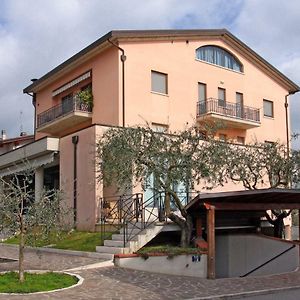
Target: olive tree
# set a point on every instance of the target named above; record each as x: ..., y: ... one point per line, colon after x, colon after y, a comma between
x: 263, y: 165
x: 128, y: 156
x: 26, y: 216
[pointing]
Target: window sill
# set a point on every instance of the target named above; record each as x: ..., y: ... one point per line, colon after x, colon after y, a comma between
x: 161, y: 94
x: 268, y: 117
x: 223, y: 68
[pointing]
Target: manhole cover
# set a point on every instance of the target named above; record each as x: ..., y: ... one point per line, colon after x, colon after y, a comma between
x: 5, y: 260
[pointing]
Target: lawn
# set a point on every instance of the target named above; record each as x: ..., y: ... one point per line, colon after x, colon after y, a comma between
x: 9, y: 282
x: 168, y: 249
x: 74, y: 240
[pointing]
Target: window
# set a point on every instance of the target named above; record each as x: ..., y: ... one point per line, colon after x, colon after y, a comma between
x: 67, y: 103
x: 219, y: 56
x: 268, y: 108
x: 221, y: 97
x: 159, y: 127
x: 222, y: 137
x: 159, y: 82
x: 239, y: 104
x: 201, y: 91
x: 240, y: 140
x: 201, y: 98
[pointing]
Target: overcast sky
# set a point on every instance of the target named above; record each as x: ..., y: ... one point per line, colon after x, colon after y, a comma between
x: 37, y: 35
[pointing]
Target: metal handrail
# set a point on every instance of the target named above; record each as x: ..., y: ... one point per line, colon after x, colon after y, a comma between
x: 268, y: 261
x: 69, y: 105
x: 229, y: 109
x: 133, y: 210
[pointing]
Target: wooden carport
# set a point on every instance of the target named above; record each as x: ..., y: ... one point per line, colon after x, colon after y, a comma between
x: 251, y: 202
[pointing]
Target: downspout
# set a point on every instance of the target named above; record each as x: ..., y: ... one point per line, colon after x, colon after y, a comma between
x: 75, y: 139
x: 33, y: 96
x: 286, y: 105
x: 34, y: 105
x: 123, y: 58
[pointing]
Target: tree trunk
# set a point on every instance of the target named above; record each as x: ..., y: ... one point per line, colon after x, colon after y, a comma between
x: 186, y: 233
x: 21, y: 252
x: 167, y: 204
x: 186, y: 227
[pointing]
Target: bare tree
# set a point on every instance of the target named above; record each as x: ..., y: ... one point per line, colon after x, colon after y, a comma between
x: 26, y: 216
x: 128, y: 156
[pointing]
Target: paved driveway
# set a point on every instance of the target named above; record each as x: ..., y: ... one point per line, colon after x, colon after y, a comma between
x: 116, y: 283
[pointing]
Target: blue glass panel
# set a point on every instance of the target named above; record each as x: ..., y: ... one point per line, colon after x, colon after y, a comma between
x: 218, y: 56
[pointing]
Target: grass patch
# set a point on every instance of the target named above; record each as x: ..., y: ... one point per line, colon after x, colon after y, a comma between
x: 74, y: 240
x: 9, y: 282
x: 168, y: 249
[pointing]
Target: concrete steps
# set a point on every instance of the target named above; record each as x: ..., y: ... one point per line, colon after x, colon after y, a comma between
x: 138, y: 238
x: 106, y: 256
x: 112, y: 250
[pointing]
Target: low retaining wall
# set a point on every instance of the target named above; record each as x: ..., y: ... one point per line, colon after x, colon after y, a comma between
x: 186, y: 265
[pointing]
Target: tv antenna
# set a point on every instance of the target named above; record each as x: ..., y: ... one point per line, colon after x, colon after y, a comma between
x: 21, y: 121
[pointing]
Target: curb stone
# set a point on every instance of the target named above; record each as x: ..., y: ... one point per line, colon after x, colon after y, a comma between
x: 60, y: 251
x: 79, y: 282
x: 240, y: 295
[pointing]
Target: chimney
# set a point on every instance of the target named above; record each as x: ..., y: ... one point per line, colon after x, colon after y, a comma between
x: 3, y: 135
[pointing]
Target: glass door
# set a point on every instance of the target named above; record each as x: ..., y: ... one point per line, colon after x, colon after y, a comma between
x: 202, y: 99
x: 239, y: 105
x: 221, y: 97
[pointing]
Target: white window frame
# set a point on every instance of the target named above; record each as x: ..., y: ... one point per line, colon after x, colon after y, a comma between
x: 165, y: 83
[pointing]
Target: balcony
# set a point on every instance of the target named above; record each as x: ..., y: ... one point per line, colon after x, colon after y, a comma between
x: 232, y: 115
x: 69, y: 113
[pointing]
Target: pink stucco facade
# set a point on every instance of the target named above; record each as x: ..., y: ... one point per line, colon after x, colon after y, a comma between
x: 171, y: 55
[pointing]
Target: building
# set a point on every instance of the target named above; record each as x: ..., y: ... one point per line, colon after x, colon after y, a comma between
x: 10, y: 144
x: 167, y: 78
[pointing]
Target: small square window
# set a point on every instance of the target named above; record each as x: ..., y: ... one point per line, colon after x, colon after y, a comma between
x: 268, y: 108
x: 159, y: 82
x: 159, y: 127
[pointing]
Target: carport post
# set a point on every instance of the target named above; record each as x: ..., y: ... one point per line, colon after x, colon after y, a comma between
x: 210, y: 225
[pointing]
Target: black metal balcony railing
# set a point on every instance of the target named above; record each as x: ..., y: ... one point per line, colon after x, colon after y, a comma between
x: 228, y: 109
x: 69, y: 105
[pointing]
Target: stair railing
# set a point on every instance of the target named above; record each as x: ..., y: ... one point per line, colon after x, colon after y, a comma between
x: 131, y: 212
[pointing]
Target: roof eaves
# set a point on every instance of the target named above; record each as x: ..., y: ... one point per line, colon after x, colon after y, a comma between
x: 294, y: 87
x: 123, y: 34
x: 119, y: 34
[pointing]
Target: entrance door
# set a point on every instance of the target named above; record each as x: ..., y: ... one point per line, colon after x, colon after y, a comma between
x: 151, y: 194
x: 182, y: 192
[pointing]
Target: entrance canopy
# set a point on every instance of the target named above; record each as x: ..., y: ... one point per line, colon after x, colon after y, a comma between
x: 255, y: 200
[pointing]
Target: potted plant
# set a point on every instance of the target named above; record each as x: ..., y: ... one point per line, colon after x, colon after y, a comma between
x: 86, y: 99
